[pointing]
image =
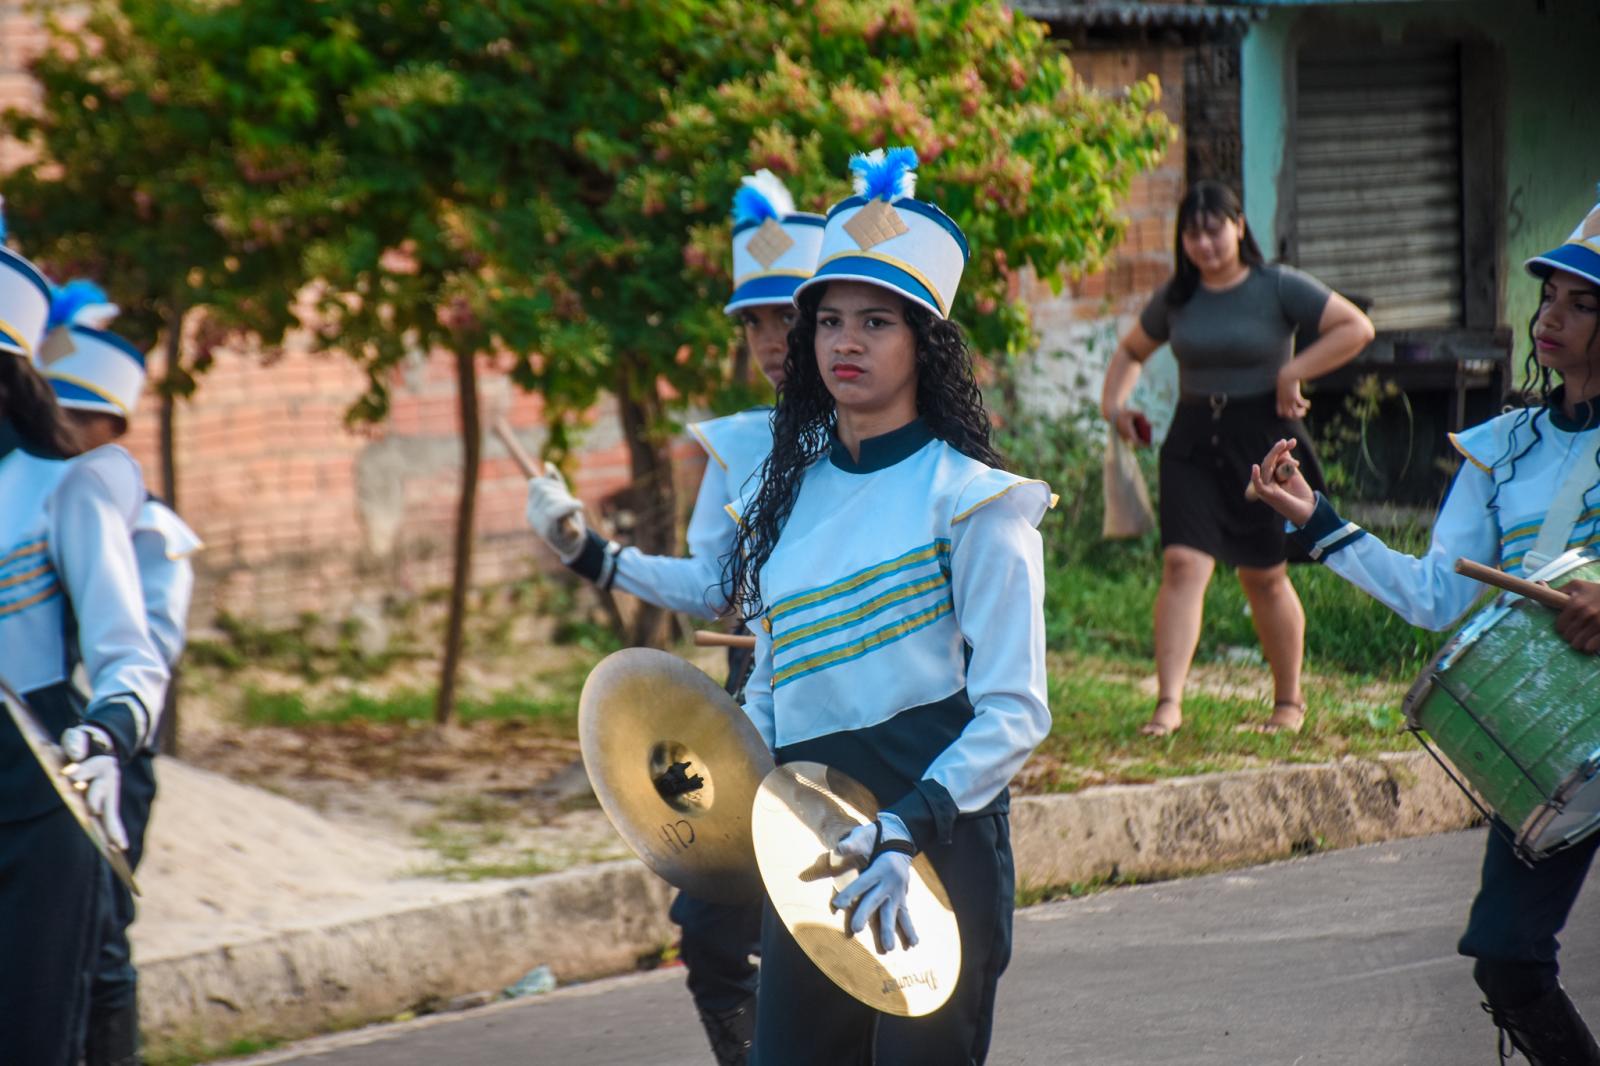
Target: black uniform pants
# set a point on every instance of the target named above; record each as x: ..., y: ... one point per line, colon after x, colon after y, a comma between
x: 1518, y: 911
x: 115, y: 981
x: 718, y: 940
x: 804, y: 1018
x: 51, y: 879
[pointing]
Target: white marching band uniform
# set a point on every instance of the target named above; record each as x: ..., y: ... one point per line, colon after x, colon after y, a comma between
x: 938, y: 614
x: 1541, y: 464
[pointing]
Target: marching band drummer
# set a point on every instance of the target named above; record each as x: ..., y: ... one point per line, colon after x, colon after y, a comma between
x: 1526, y: 492
x: 897, y: 576
x: 774, y: 249
x: 98, y: 378
x: 69, y: 594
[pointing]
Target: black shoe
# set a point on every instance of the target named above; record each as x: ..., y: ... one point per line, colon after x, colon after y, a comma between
x: 1549, y: 1031
x: 731, y: 1032
x: 113, y: 1038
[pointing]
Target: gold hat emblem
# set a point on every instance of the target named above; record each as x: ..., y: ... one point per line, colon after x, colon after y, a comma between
x: 57, y: 345
x: 875, y: 223
x: 1591, y: 226
x: 769, y: 243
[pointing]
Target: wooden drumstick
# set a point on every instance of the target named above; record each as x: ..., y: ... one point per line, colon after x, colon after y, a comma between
x: 706, y: 638
x: 531, y: 468
x: 1554, y: 599
x: 1283, y: 473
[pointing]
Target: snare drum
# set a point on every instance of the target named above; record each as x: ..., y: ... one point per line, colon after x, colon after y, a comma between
x: 1517, y: 711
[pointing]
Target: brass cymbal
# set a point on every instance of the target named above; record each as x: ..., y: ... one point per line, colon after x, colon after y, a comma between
x: 675, y: 764
x: 801, y: 811
x: 53, y: 762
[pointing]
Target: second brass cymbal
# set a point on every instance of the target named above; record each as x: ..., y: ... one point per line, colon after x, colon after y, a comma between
x: 801, y: 812
x: 675, y: 764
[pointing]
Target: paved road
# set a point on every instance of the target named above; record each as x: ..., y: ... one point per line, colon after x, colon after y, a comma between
x: 1341, y: 958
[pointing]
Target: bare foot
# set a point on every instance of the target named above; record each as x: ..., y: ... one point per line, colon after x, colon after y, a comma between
x: 1163, y: 723
x: 1287, y: 717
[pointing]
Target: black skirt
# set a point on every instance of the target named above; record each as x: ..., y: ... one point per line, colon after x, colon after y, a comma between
x: 1205, y: 467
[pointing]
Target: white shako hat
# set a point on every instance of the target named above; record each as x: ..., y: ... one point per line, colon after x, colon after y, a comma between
x: 884, y: 237
x: 774, y: 246
x: 1579, y: 255
x: 24, y: 302
x: 90, y: 368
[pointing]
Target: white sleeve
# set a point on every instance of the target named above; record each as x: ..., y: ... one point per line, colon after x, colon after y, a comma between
x: 997, y: 582
x: 692, y: 584
x: 758, y: 689
x: 92, y: 514
x: 1425, y: 591
x: 168, y: 588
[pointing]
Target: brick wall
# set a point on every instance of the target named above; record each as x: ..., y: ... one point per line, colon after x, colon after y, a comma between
x: 301, y: 513
x: 1078, y: 329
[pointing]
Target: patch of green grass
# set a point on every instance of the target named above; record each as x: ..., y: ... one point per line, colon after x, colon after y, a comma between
x: 191, y: 1052
x: 462, y: 867
x: 1028, y: 895
x: 556, y: 706
x: 1098, y: 706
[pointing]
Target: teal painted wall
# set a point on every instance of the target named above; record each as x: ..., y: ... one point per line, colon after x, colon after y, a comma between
x: 1552, y: 137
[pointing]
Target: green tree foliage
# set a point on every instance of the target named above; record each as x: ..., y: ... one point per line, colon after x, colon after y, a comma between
x: 545, y: 184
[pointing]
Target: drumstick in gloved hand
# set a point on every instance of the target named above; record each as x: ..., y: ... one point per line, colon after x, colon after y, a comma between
x: 531, y: 468
x: 1554, y: 599
x: 1283, y: 473
x: 706, y: 638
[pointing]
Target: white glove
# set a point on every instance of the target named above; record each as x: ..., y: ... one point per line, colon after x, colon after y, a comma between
x: 881, y: 888
x: 94, y: 770
x: 555, y: 514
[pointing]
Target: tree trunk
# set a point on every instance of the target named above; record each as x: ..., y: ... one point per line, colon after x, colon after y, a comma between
x: 167, y: 737
x: 654, y: 501
x: 471, y: 448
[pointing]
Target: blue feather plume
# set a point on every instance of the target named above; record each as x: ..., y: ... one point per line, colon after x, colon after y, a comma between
x: 76, y: 300
x: 885, y: 174
x: 761, y: 196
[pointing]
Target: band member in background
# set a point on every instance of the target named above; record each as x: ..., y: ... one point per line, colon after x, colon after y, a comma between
x: 895, y: 579
x: 98, y: 378
x: 774, y: 249
x: 69, y: 595
x: 1527, y: 491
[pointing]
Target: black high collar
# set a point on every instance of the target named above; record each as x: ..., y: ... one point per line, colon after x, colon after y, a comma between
x: 1588, y: 412
x: 882, y: 451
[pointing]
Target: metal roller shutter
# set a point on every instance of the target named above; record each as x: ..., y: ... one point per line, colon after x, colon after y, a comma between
x: 1377, y: 153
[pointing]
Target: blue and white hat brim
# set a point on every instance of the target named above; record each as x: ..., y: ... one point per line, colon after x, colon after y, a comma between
x: 74, y: 397
x: 24, y: 304
x: 886, y: 275
x: 102, y: 372
x: 1573, y: 257
x: 767, y: 291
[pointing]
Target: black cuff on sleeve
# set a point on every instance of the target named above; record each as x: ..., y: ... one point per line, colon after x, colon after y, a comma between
x: 1325, y: 532
x: 928, y: 811
x: 597, y: 561
x: 120, y: 720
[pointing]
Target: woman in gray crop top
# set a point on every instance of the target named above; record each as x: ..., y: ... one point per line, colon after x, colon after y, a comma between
x: 1231, y: 319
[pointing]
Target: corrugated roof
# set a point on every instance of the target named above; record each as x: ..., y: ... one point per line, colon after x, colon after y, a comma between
x: 1094, y: 14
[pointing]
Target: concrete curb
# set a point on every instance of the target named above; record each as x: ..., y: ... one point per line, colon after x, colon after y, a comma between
x: 601, y: 919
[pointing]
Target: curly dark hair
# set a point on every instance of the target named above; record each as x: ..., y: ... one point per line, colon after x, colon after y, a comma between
x: 948, y: 401
x: 28, y: 402
x: 1535, y: 396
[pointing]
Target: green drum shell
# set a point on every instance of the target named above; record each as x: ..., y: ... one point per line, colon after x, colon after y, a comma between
x: 1517, y: 711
